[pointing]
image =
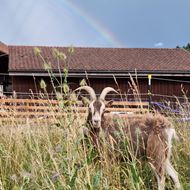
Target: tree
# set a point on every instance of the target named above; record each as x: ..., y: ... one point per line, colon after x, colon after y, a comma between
x: 186, y: 47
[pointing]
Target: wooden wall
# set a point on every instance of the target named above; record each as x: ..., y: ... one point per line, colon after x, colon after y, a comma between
x: 162, y: 87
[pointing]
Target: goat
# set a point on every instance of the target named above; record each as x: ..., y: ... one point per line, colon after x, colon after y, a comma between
x: 155, y: 131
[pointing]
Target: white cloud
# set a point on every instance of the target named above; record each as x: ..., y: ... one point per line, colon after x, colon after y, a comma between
x: 159, y: 44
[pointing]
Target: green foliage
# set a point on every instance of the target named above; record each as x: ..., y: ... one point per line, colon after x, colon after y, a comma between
x: 83, y: 82
x: 59, y: 81
x: 43, y: 84
x: 186, y: 47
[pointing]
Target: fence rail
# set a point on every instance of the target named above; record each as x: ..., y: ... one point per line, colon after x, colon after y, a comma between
x: 40, y: 107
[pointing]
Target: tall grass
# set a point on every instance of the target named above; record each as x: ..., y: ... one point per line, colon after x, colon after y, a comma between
x: 56, y: 155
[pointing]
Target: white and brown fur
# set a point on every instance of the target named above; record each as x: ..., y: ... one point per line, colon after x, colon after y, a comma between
x: 156, y: 134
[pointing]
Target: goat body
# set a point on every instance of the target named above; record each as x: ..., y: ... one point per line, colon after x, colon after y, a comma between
x: 149, y: 135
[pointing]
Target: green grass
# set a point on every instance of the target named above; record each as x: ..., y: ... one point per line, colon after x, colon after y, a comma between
x: 35, y: 155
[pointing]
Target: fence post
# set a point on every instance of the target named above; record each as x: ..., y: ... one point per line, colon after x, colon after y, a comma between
x: 149, y: 90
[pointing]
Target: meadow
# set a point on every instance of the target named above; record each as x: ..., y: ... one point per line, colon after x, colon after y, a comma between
x: 54, y: 154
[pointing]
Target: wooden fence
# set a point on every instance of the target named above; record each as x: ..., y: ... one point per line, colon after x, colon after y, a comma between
x: 28, y: 108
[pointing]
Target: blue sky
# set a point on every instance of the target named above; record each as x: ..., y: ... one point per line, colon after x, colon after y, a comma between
x: 95, y: 23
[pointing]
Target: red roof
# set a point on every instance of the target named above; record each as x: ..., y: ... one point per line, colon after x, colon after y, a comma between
x: 23, y: 59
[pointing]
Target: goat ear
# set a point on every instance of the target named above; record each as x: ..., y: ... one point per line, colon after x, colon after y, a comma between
x: 109, y: 103
x: 85, y: 101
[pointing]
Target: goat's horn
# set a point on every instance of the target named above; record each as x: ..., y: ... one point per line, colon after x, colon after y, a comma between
x: 105, y: 91
x: 89, y: 89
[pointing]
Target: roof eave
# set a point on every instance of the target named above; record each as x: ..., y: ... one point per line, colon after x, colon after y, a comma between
x: 105, y: 74
x: 4, y: 48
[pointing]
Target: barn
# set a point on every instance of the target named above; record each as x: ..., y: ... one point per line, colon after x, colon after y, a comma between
x: 22, y: 69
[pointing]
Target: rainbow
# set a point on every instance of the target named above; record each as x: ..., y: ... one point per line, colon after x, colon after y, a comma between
x: 94, y: 24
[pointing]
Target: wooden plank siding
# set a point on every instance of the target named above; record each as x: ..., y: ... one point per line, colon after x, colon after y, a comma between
x: 161, y: 87
x: 24, y: 83
x: 170, y: 88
